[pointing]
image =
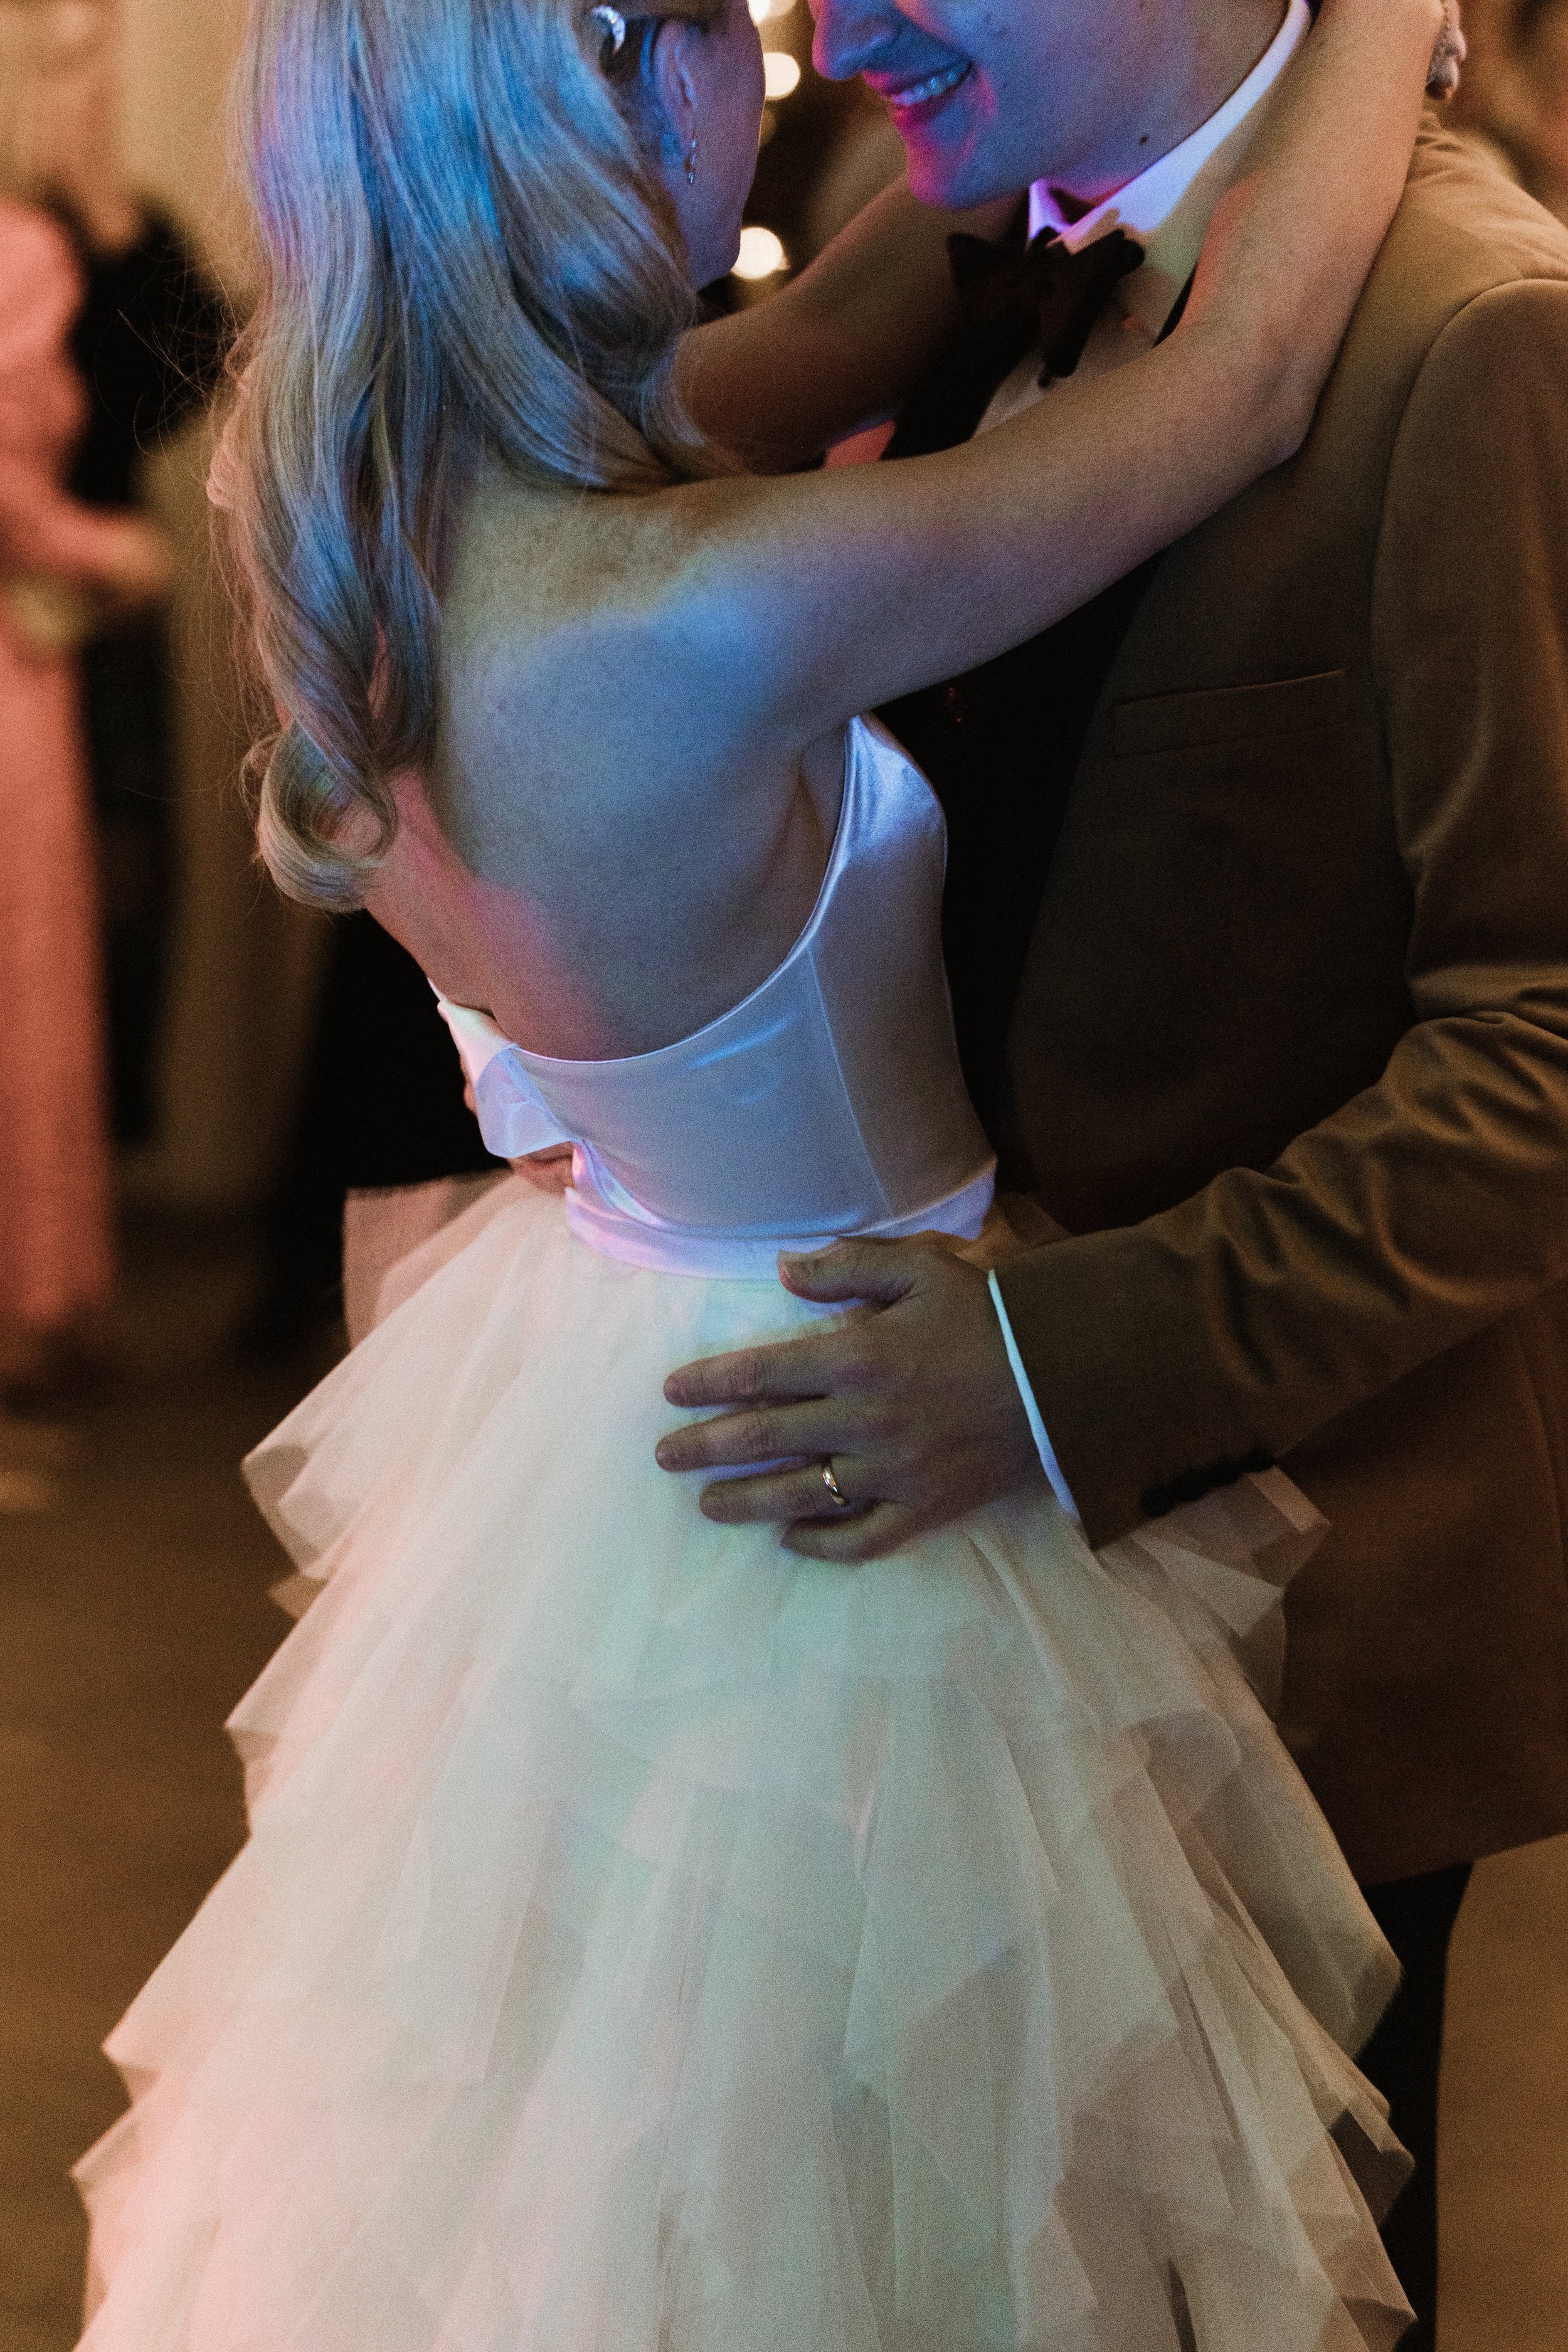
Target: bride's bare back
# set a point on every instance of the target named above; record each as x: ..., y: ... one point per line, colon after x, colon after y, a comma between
x: 582, y: 861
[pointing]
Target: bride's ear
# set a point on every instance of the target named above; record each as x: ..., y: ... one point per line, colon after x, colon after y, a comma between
x: 674, y: 75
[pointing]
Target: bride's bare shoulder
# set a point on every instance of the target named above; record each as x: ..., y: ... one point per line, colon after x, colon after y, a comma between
x: 534, y: 563
x: 577, y: 686
x: 572, y: 638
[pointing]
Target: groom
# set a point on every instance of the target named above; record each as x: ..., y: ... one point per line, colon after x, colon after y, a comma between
x: 1257, y: 929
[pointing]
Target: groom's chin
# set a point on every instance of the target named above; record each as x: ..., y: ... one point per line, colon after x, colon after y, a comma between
x: 951, y: 186
x: 954, y: 178
x: 940, y: 178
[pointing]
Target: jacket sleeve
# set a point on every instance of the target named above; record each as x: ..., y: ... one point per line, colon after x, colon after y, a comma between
x: 1168, y: 1356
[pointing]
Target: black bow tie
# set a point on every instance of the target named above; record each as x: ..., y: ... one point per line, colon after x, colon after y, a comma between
x: 1048, y: 294
x: 1014, y: 300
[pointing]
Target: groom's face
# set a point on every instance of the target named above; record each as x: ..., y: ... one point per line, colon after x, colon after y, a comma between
x: 988, y: 95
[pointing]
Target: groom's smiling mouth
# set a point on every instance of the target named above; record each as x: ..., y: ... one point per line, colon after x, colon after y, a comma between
x: 911, y: 96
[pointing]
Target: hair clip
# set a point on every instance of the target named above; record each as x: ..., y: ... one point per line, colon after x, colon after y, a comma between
x: 614, y: 26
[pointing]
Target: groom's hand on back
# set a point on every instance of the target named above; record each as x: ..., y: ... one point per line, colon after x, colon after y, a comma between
x: 911, y: 1400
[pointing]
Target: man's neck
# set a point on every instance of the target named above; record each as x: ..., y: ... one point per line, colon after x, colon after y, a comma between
x: 1211, y: 60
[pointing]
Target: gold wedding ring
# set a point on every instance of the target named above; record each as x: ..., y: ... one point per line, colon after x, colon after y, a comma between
x: 839, y: 1499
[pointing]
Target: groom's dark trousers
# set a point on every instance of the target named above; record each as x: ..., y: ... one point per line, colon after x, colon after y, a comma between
x: 1257, y: 930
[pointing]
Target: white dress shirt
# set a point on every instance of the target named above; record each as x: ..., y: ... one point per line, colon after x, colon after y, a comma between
x: 1167, y: 209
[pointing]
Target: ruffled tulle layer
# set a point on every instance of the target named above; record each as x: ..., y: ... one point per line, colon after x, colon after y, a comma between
x: 650, y: 1942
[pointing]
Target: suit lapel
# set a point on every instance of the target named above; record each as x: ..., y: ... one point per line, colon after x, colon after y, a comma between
x: 1001, y: 747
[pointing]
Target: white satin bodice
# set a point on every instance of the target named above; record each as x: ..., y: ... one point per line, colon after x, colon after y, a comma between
x: 827, y: 1102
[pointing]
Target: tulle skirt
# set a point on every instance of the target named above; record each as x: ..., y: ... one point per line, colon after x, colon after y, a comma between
x: 648, y: 1941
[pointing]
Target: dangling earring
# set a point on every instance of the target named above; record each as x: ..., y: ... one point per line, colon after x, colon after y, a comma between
x: 691, y: 162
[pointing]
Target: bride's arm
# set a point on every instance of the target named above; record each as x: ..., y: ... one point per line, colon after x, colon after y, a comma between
x: 842, y: 344
x: 845, y: 342
x: 789, y: 604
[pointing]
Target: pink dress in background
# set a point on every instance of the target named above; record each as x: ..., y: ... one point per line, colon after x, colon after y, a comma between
x: 56, y: 1246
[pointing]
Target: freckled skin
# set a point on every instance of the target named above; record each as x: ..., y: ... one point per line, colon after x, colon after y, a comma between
x: 1084, y: 93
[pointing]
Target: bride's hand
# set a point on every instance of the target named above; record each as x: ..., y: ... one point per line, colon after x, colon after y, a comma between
x: 547, y: 1171
x: 1452, y: 49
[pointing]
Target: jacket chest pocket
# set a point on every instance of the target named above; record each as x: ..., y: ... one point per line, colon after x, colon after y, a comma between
x: 1232, y: 856
x: 1270, y: 797
x: 1231, y: 715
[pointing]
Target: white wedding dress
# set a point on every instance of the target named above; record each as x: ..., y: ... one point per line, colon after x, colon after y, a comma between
x: 648, y: 1941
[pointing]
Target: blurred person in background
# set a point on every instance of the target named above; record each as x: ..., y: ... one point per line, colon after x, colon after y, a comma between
x: 380, y: 1129
x: 149, y: 341
x: 65, y: 572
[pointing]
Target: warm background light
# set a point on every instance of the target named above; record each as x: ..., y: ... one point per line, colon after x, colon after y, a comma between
x: 762, y: 9
x: 761, y: 254
x: 782, y: 73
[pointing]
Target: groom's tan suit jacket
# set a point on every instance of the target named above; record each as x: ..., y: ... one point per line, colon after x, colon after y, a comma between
x: 1290, y: 1060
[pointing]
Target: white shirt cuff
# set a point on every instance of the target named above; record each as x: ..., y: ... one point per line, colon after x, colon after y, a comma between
x: 1043, y: 1446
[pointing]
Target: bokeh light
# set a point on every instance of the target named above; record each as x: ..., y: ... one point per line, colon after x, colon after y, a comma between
x: 782, y: 73
x: 762, y: 9
x: 761, y: 254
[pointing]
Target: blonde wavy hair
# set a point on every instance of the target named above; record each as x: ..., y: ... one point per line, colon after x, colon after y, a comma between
x: 467, y: 254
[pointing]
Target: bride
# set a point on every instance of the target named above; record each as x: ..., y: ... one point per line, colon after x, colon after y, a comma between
x: 647, y: 1940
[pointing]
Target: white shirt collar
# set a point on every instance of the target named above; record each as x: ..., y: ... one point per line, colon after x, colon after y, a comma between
x: 1168, y: 207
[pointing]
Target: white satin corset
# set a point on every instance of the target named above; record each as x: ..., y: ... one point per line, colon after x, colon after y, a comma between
x: 827, y: 1102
